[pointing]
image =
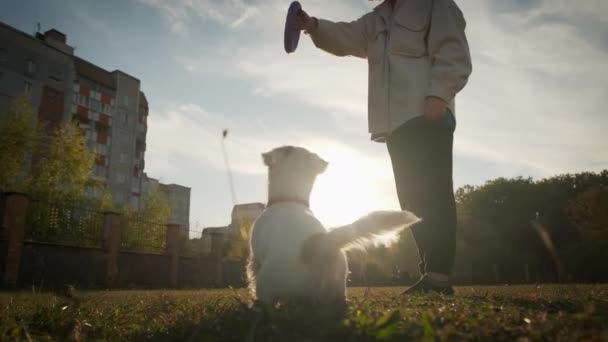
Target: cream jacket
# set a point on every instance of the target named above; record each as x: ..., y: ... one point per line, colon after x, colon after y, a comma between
x: 417, y: 50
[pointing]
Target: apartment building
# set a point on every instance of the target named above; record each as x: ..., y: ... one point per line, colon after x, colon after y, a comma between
x: 110, y: 107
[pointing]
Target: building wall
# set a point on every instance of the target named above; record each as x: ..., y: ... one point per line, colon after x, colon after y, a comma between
x: 141, y: 129
x: 93, y: 106
x: 41, y: 67
x: 122, y: 154
x: 178, y: 195
x: 180, y: 199
x: 37, y: 66
x: 205, y: 245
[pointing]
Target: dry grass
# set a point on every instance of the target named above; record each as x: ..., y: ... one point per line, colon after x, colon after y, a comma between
x: 546, y: 312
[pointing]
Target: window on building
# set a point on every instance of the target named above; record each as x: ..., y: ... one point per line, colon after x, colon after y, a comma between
x: 119, y: 197
x: 106, y: 109
x: 27, y: 86
x: 31, y: 67
x: 94, y: 105
x: 126, y: 100
x: 102, y: 149
x: 100, y: 170
x: 75, y: 97
x: 3, y: 55
x: 83, y: 100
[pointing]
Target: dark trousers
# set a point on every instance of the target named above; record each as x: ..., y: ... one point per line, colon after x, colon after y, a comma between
x: 421, y: 154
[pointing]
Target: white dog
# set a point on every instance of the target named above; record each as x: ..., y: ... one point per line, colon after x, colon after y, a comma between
x: 291, y: 254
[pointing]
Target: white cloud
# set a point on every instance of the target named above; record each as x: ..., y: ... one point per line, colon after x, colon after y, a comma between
x: 535, y: 96
x: 194, y: 134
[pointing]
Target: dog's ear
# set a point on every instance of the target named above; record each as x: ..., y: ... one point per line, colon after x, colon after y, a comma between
x: 320, y: 164
x: 268, y: 158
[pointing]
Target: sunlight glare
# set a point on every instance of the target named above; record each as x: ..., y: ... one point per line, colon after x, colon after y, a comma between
x: 353, y: 185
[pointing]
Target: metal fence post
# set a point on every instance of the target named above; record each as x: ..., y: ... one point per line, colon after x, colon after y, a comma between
x: 111, y: 244
x: 173, y: 251
x: 14, y: 220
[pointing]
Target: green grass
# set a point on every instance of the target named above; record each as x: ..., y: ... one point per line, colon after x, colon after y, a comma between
x: 546, y: 312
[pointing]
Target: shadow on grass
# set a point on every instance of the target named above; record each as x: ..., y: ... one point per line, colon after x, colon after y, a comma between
x: 296, y: 320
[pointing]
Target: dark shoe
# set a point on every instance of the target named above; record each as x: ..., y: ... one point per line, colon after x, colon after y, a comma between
x: 426, y: 285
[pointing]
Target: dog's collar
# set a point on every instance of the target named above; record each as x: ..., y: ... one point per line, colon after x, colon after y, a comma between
x: 293, y: 200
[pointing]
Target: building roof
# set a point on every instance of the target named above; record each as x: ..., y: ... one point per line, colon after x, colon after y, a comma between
x: 94, y: 73
x: 39, y: 37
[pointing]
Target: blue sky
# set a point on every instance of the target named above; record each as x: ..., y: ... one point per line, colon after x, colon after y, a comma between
x: 534, y: 105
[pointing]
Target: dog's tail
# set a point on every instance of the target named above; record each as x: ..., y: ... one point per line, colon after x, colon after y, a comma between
x: 356, y: 234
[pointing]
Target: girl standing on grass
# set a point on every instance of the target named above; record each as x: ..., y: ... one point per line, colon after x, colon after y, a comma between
x: 418, y: 59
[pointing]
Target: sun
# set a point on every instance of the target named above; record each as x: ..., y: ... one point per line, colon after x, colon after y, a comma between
x: 353, y: 185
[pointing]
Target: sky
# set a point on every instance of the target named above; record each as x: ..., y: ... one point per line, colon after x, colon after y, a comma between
x: 534, y: 105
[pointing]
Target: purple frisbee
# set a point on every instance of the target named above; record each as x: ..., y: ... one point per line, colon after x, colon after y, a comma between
x: 292, y: 34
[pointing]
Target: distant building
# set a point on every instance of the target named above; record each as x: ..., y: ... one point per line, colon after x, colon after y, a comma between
x: 204, y: 245
x: 243, y: 215
x: 178, y: 195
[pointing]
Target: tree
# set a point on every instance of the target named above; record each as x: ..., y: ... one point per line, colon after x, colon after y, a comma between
x: 65, y: 168
x: 157, y: 206
x: 146, y: 229
x: 586, y: 257
x: 495, y: 223
x: 18, y: 135
x: 236, y: 247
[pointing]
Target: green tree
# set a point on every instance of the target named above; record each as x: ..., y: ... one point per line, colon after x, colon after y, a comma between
x: 64, y: 171
x: 586, y: 257
x: 157, y: 206
x: 146, y: 229
x: 236, y: 247
x: 494, y: 221
x: 18, y: 136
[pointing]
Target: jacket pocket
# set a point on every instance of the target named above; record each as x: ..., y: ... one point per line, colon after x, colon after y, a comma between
x: 410, y: 27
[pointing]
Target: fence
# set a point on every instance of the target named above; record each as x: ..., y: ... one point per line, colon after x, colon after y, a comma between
x: 63, y: 223
x: 190, y: 242
x: 140, y: 235
x: 48, y: 243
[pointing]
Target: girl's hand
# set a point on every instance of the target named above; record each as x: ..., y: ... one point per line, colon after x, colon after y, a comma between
x: 305, y: 22
x: 434, y: 108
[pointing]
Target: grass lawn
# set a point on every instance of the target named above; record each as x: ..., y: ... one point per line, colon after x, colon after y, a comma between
x: 547, y: 312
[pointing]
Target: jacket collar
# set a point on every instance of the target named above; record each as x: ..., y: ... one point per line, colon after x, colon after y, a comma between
x: 385, y: 11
